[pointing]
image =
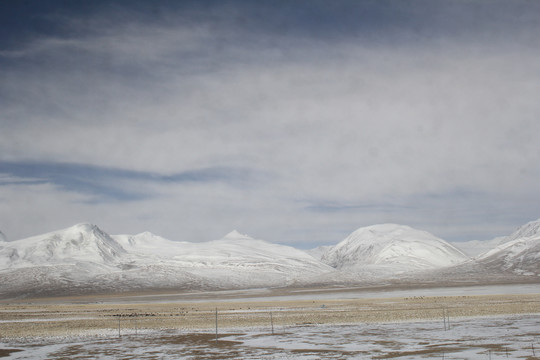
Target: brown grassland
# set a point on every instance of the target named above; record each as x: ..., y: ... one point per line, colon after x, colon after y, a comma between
x: 87, y: 315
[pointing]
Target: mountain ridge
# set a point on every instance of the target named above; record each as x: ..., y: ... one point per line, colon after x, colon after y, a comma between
x: 85, y: 259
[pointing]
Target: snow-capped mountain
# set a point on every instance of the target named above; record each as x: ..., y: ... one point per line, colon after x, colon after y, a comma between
x: 61, y: 262
x: 518, y: 253
x: 233, y: 260
x: 79, y: 243
x: 235, y: 249
x: 84, y: 258
x: 390, y: 245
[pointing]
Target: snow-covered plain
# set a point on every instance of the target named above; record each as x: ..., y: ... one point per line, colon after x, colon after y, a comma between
x: 500, y: 337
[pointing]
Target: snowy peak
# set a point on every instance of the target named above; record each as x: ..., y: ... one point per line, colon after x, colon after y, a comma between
x: 79, y: 243
x: 148, y: 244
x: 144, y: 239
x: 83, y: 227
x: 393, y: 245
x: 235, y: 235
x: 531, y: 228
x: 85, y: 239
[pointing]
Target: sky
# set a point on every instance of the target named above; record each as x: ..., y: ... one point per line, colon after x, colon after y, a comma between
x: 296, y: 122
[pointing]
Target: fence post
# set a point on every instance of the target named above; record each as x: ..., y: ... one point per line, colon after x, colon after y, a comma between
x: 444, y: 318
x: 272, y: 322
x: 216, y: 327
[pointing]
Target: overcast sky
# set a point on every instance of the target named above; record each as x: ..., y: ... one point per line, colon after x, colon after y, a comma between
x: 296, y: 122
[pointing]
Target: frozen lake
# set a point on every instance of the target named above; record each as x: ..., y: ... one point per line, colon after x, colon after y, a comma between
x: 325, y: 293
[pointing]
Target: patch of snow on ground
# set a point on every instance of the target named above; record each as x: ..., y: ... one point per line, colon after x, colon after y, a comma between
x: 471, y: 338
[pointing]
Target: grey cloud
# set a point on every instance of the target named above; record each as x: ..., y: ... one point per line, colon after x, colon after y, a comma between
x: 355, y: 121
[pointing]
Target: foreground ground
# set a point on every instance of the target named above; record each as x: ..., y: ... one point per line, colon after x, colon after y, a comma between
x: 311, y: 326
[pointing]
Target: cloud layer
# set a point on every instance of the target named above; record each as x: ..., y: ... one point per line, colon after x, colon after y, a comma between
x: 295, y: 124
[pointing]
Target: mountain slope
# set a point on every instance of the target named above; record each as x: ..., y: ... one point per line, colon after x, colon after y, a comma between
x: 389, y: 245
x: 519, y: 252
x: 531, y: 228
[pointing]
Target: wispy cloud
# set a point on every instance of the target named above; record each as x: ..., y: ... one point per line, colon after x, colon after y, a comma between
x: 105, y: 184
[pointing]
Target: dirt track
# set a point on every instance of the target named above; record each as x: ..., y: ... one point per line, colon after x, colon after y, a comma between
x: 54, y: 318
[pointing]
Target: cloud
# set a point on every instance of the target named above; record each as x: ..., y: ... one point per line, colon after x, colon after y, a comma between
x: 427, y: 114
x: 112, y: 184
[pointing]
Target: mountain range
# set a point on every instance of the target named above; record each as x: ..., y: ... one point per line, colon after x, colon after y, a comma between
x: 83, y: 259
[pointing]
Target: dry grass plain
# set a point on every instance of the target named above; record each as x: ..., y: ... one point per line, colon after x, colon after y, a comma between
x: 79, y: 316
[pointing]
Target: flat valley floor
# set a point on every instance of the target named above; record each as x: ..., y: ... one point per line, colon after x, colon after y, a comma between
x: 278, y: 324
